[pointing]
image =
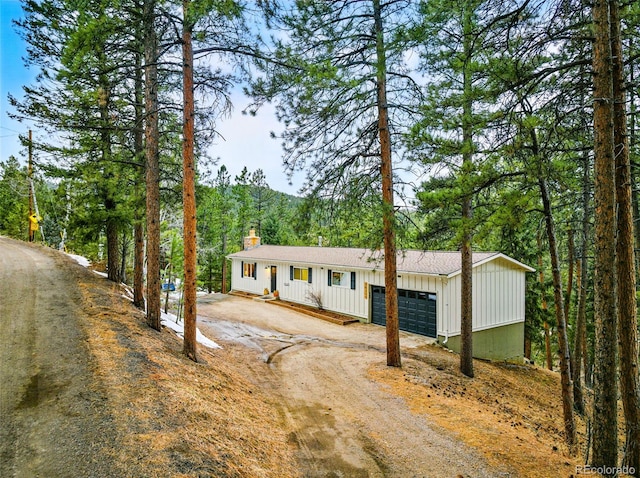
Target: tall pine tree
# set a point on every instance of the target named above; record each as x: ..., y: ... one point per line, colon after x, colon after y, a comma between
x: 341, y: 89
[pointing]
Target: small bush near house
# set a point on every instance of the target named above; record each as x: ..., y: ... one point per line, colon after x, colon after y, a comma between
x: 315, y: 298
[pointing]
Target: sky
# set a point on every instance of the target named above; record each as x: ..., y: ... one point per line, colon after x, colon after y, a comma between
x: 247, y: 140
x: 13, y: 74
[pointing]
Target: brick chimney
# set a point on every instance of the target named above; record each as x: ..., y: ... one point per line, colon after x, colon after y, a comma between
x: 251, y: 241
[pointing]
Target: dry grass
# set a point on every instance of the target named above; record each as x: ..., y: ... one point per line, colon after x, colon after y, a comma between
x: 176, y: 417
x: 511, y: 414
x: 182, y: 419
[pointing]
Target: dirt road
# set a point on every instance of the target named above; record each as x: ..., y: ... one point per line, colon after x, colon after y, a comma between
x: 344, y: 423
x: 53, y: 422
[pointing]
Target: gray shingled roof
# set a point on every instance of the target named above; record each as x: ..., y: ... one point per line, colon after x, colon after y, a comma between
x: 419, y: 262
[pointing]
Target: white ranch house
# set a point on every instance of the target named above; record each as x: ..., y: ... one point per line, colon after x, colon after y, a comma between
x: 351, y: 281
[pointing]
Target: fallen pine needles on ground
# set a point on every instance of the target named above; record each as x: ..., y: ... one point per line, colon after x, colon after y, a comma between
x: 512, y: 414
x: 176, y: 417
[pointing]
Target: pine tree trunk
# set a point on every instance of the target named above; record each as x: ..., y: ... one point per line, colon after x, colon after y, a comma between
x: 588, y: 361
x: 388, y: 214
x: 563, y: 342
x: 605, y: 390
x: 210, y: 274
x: 138, y: 263
x: 466, y: 319
x: 109, y: 201
x: 123, y: 258
x: 152, y: 165
x: 223, y: 285
x: 569, y: 292
x: 632, y: 135
x: 466, y: 277
x: 576, y: 367
x: 570, y: 262
x: 138, y: 227
x: 189, y: 190
x: 625, y: 257
x: 581, y: 315
x: 543, y: 298
x: 547, y: 339
x: 170, y: 275
x: 113, y: 244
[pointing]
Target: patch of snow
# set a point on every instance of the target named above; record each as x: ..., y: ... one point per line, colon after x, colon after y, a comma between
x: 83, y: 261
x: 170, y: 320
x: 127, y: 291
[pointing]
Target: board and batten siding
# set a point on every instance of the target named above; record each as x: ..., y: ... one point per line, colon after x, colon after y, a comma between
x: 338, y: 299
x: 498, y: 291
x: 498, y: 298
x: 344, y: 300
x: 355, y: 302
x: 249, y: 284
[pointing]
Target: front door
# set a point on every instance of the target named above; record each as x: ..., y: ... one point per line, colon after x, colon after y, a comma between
x: 274, y: 276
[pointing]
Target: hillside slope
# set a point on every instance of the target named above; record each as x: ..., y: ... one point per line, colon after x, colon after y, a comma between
x: 512, y: 414
x: 173, y: 417
x: 212, y: 419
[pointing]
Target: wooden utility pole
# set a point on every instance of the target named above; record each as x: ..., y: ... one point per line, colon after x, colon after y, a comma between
x: 32, y: 231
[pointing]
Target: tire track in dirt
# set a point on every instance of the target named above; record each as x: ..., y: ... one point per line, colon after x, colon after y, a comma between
x: 16, y: 346
x: 342, y: 422
x: 54, y: 420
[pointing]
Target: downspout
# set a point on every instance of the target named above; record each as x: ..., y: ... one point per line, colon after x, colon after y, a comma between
x: 445, y: 281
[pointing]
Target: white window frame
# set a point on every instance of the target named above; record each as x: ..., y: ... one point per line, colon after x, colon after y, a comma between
x: 345, y: 279
x: 249, y: 270
x: 302, y: 274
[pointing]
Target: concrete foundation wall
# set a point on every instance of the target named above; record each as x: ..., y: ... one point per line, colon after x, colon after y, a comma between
x: 499, y: 343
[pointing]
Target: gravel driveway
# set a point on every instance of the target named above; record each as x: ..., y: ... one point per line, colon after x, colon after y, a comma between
x: 344, y: 423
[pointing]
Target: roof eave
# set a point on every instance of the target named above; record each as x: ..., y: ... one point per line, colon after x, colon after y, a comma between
x: 305, y: 262
x: 493, y: 257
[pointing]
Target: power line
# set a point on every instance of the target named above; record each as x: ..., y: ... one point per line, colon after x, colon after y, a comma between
x: 9, y: 129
